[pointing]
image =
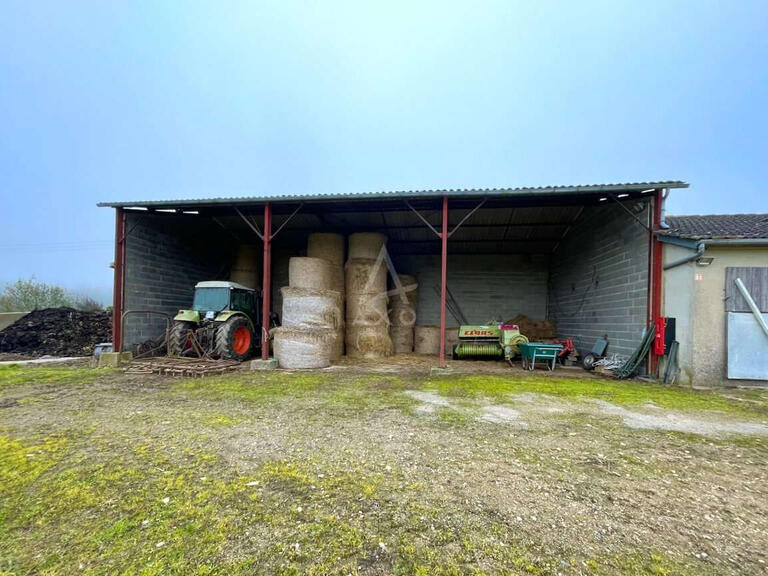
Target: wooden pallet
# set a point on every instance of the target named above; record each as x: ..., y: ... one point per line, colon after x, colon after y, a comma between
x: 181, y: 367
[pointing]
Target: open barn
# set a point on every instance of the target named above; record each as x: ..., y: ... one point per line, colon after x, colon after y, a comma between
x: 582, y: 260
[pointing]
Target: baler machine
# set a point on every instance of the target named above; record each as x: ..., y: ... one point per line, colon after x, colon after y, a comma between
x: 488, y: 342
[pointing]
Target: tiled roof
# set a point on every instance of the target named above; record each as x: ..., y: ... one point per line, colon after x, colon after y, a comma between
x: 715, y: 226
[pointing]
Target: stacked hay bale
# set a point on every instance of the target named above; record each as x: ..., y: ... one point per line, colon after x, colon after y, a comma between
x: 245, y: 269
x: 402, y: 314
x: 451, y: 339
x: 426, y: 340
x: 367, y: 322
x: 330, y: 247
x: 312, y: 316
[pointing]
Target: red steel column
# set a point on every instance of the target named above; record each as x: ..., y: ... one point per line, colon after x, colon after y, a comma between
x: 443, y: 278
x: 266, y: 288
x: 656, y: 256
x: 117, y: 289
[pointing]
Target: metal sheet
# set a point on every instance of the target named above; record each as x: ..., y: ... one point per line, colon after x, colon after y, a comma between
x: 747, y: 347
x: 452, y: 193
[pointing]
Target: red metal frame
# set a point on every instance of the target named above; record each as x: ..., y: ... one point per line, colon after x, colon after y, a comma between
x: 656, y: 272
x: 266, y: 282
x: 443, y: 278
x: 117, y: 290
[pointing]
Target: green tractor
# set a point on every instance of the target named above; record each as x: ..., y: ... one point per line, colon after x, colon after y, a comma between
x: 224, y: 322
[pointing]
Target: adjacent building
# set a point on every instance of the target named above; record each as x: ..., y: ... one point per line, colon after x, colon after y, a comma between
x: 720, y: 341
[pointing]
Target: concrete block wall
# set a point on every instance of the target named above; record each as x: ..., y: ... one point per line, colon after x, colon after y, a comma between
x: 487, y: 287
x: 165, y: 256
x: 598, y: 281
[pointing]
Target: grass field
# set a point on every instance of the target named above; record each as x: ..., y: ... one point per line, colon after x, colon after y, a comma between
x: 356, y: 472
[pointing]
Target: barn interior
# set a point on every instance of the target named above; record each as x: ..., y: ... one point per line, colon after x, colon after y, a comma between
x: 579, y: 257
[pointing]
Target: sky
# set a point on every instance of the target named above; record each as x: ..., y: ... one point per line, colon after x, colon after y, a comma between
x: 150, y: 100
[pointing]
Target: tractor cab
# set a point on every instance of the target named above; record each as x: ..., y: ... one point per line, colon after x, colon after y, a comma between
x: 223, y: 322
x: 212, y: 298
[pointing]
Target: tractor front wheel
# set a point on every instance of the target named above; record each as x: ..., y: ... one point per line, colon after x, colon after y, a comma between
x: 234, y: 339
x: 178, y: 339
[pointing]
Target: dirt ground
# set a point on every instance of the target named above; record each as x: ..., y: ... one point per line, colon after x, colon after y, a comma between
x: 378, y: 469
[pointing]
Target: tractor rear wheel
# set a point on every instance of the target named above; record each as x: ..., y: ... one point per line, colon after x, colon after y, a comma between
x: 234, y: 339
x: 178, y: 339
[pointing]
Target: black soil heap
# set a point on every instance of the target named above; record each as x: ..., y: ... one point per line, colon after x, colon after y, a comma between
x: 57, y: 332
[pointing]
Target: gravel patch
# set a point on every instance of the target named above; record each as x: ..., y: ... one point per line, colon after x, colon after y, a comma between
x: 673, y: 422
x: 500, y: 415
x: 429, y: 401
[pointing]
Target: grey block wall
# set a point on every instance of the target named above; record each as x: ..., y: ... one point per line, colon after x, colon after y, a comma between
x: 165, y: 256
x: 599, y: 279
x: 486, y: 287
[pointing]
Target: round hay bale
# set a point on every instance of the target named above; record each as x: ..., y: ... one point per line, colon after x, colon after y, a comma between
x: 408, y: 298
x: 309, y: 273
x: 409, y: 290
x: 426, y: 340
x: 401, y: 314
x: 328, y: 246
x: 337, y: 279
x: 451, y: 338
x: 368, y: 341
x: 367, y: 310
x: 366, y: 245
x: 338, y: 345
x: 402, y: 339
x: 365, y: 276
x: 307, y: 308
x: 406, y: 281
x: 298, y: 348
x: 245, y: 269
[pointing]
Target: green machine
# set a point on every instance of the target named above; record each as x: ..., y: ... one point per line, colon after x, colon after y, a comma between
x: 224, y: 322
x: 488, y: 342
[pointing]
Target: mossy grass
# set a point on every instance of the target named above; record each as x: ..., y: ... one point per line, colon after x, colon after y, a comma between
x: 15, y: 374
x: 624, y: 392
x: 252, y: 473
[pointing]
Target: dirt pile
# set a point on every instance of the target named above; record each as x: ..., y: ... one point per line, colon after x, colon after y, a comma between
x: 57, y: 332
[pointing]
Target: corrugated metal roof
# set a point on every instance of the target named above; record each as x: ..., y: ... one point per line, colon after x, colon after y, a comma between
x: 467, y: 192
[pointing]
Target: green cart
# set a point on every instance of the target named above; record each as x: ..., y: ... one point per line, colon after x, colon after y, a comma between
x: 533, y: 352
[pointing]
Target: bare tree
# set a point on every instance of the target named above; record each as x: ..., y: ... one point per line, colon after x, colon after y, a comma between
x: 88, y: 304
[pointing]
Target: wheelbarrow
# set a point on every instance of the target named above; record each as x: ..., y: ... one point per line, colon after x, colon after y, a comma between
x: 533, y: 352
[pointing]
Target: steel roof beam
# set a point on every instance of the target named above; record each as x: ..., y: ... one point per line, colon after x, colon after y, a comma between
x: 439, y: 234
x: 484, y: 241
x: 628, y: 211
x: 475, y: 209
x: 251, y: 225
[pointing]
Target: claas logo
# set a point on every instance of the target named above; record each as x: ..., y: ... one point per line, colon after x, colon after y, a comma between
x: 480, y: 333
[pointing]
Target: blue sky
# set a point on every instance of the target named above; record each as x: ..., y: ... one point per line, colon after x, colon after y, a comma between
x: 122, y: 101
